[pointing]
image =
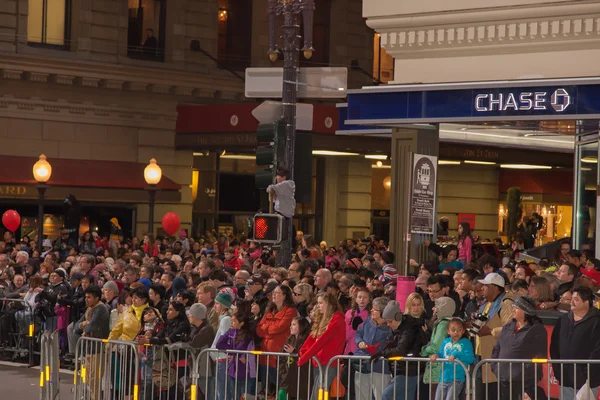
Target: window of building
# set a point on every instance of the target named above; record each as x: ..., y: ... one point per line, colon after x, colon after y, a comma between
x: 48, y: 23
x: 321, y: 33
x: 234, y: 46
x: 383, y: 63
x: 147, y: 29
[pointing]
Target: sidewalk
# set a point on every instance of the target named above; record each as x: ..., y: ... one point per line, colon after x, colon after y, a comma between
x: 19, y: 382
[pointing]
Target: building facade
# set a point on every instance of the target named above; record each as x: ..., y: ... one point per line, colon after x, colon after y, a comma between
x: 98, y: 82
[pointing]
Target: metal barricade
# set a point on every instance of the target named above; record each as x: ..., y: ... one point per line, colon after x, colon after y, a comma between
x: 233, y: 374
x: 371, y: 378
x: 120, y: 370
x: 49, y: 367
x: 18, y: 323
x: 106, y: 370
x: 511, y: 379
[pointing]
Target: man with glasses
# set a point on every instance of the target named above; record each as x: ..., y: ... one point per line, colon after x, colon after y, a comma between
x: 295, y: 272
x: 435, y: 290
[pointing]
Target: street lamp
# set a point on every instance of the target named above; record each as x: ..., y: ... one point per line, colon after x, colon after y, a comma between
x: 152, y: 175
x: 42, y: 170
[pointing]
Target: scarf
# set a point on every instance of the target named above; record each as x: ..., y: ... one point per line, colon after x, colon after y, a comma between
x: 90, y: 310
x: 138, y: 311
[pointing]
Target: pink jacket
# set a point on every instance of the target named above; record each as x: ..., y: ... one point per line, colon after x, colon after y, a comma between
x: 351, y: 346
x: 464, y: 249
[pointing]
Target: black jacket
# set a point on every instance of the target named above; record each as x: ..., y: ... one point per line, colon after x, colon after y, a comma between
x: 75, y: 300
x: 176, y: 330
x: 46, y: 299
x: 577, y: 341
x: 531, y: 341
x: 406, y: 342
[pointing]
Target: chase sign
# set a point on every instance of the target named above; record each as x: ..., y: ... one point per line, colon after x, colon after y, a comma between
x: 454, y: 102
x: 559, y: 101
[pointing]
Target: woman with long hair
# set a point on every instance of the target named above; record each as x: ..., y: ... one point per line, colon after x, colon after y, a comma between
x: 355, y: 316
x: 542, y: 293
x: 465, y: 243
x: 223, y: 303
x: 274, y: 329
x: 323, y: 342
x: 88, y: 244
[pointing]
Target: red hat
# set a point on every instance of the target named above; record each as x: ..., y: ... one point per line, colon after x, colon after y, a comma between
x: 120, y: 285
x: 354, y: 263
x: 592, y: 274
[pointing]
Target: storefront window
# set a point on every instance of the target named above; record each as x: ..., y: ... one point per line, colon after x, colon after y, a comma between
x: 586, y: 183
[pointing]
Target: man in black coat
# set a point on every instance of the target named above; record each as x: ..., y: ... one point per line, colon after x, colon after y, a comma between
x: 405, y: 343
x: 576, y: 336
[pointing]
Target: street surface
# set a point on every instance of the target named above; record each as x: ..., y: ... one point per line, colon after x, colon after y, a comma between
x: 20, y: 382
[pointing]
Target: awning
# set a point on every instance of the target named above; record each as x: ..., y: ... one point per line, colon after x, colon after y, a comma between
x: 81, y: 173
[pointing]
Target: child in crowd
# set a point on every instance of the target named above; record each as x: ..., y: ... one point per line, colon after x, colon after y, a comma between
x: 456, y: 347
x: 355, y: 316
x: 242, y: 369
x: 290, y: 376
x: 152, y: 324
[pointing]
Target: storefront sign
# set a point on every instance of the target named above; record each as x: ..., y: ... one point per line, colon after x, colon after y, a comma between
x: 435, y: 105
x: 468, y: 218
x: 424, y: 175
x: 12, y: 191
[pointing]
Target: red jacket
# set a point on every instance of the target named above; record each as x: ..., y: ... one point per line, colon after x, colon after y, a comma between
x: 330, y: 344
x: 275, y: 329
x: 234, y: 263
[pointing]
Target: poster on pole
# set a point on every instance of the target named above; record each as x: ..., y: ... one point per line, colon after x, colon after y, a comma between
x: 424, y: 178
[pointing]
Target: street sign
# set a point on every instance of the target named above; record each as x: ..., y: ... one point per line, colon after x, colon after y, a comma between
x: 314, y: 83
x: 270, y: 111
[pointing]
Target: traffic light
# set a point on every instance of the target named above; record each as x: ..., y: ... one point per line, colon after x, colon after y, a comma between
x: 268, y: 228
x: 270, y: 137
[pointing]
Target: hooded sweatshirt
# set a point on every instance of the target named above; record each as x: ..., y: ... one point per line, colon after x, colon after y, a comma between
x: 179, y: 285
x: 285, y: 202
x: 444, y: 308
x: 577, y: 340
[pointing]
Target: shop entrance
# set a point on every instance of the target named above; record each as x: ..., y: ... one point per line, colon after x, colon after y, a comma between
x: 551, y: 119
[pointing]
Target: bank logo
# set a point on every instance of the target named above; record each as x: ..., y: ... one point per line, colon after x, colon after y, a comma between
x: 560, y: 100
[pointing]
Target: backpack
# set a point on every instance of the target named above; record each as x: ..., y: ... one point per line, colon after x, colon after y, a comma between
x: 164, y: 375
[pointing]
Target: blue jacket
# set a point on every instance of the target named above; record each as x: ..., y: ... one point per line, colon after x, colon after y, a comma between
x: 373, y: 335
x: 462, y: 351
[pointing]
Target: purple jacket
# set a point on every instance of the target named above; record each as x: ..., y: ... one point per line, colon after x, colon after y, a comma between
x: 238, y: 363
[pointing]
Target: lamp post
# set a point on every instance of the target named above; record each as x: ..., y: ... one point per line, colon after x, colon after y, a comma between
x: 152, y: 175
x: 42, y: 170
x: 290, y: 9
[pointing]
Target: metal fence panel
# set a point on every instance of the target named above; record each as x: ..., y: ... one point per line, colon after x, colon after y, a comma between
x: 399, y: 377
x: 231, y: 374
x: 535, y: 379
x: 20, y: 329
x: 49, y: 367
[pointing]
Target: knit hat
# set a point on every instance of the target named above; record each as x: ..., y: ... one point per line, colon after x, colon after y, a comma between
x: 61, y: 272
x: 112, y: 286
x: 354, y: 263
x: 525, y: 304
x: 77, y: 276
x: 445, y: 307
x: 47, y: 243
x: 179, y: 284
x: 198, y: 311
x: 146, y: 282
x: 224, y: 299
x: 182, y: 233
x: 392, y: 311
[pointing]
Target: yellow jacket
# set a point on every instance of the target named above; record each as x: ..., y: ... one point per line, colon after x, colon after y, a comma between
x: 127, y: 327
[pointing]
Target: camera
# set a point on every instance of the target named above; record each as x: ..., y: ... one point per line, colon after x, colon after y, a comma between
x: 477, y: 321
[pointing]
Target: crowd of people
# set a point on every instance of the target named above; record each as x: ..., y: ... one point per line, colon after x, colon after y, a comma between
x: 228, y: 293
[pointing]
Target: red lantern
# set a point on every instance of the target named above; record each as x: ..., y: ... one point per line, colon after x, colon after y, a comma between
x: 170, y: 223
x: 11, y: 220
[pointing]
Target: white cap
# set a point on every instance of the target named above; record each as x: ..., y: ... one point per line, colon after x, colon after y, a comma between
x: 493, y: 279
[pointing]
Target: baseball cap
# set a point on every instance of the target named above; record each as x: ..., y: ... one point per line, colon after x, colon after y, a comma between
x: 256, y: 279
x: 493, y: 279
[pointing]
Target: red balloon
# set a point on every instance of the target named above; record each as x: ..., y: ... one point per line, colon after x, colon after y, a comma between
x: 11, y: 220
x: 170, y: 223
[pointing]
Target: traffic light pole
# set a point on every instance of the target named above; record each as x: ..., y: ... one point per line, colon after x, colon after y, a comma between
x: 289, y: 98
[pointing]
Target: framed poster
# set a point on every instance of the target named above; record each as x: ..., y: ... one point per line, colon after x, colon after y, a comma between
x: 423, y: 190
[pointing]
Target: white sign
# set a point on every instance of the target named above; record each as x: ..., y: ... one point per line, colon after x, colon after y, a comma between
x: 316, y: 83
x: 270, y: 111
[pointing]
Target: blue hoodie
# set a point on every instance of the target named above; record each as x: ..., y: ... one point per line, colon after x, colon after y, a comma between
x: 462, y: 351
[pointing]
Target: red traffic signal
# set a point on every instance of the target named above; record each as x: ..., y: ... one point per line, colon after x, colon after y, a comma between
x: 267, y: 228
